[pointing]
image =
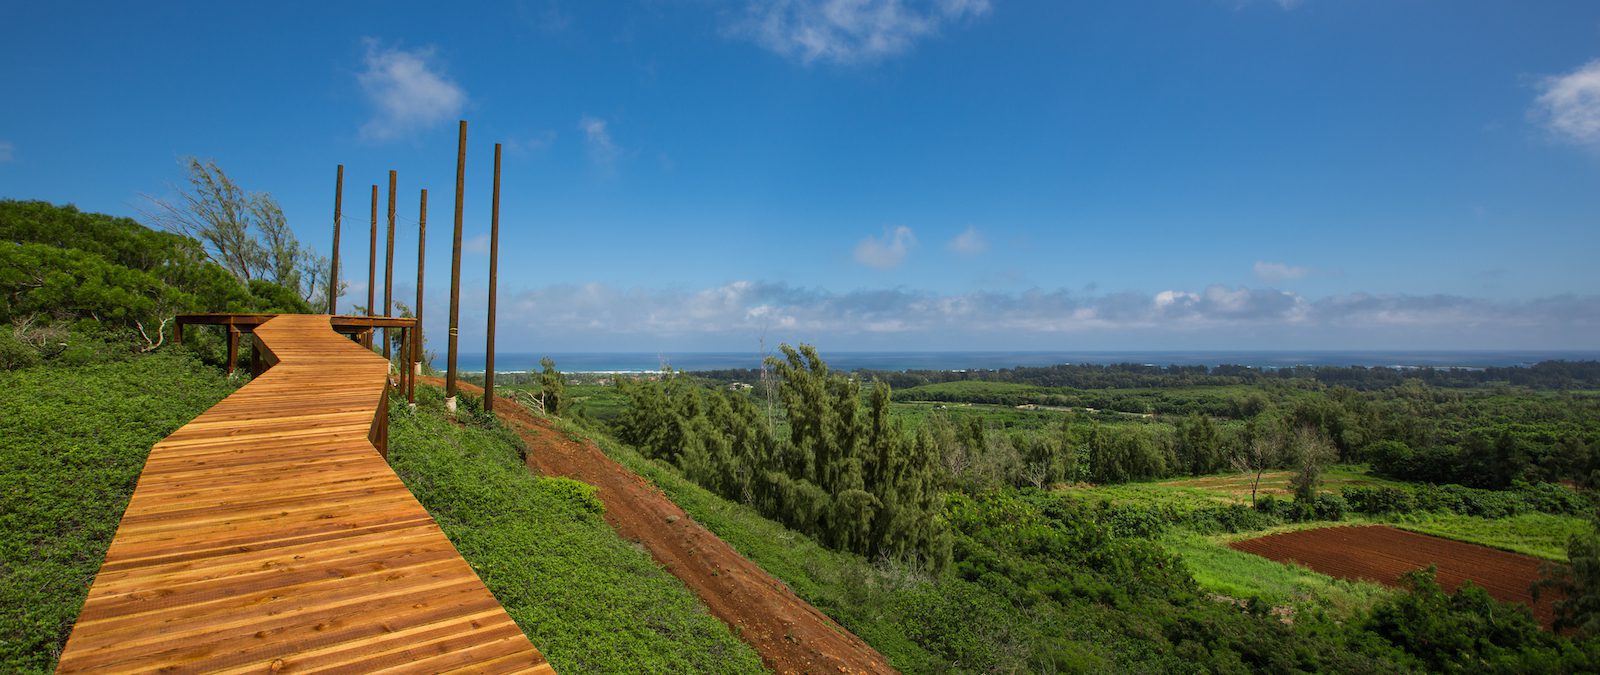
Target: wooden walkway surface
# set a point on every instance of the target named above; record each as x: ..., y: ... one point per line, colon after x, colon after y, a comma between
x: 268, y: 535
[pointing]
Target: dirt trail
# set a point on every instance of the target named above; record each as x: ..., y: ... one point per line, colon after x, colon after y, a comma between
x: 790, y: 634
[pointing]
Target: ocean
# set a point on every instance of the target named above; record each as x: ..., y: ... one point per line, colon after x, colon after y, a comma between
x: 579, y: 362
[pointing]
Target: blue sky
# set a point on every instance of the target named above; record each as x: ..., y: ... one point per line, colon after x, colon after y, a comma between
x: 882, y: 174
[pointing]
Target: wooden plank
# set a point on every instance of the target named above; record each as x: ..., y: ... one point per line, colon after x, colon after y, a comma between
x: 269, y: 535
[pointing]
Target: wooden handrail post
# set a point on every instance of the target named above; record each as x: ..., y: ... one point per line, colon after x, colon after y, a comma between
x: 379, y: 435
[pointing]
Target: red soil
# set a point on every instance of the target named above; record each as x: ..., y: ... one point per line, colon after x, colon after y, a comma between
x: 790, y: 635
x: 1381, y: 554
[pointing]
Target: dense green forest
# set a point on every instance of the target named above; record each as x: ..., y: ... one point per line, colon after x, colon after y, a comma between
x: 1544, y: 375
x: 1047, y: 569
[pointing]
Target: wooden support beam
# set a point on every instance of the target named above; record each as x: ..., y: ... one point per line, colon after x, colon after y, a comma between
x: 333, y: 265
x: 422, y: 249
x: 388, y: 269
x: 494, y: 257
x: 410, y: 375
x: 455, y: 271
x: 372, y: 260
x: 404, y: 373
x: 233, y: 347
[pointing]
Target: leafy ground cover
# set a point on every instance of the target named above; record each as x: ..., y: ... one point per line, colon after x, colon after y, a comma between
x: 590, y: 601
x: 72, y: 443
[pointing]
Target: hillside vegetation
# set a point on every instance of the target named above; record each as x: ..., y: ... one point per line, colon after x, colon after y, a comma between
x: 1061, y: 558
x: 90, y: 379
x: 78, y: 286
x: 590, y: 601
x: 73, y: 439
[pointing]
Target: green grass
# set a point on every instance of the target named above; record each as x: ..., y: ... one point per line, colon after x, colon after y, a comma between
x: 72, y: 443
x: 1235, y: 486
x: 1180, y: 499
x: 845, y: 587
x: 590, y: 601
x: 1222, y: 570
x: 1540, y: 535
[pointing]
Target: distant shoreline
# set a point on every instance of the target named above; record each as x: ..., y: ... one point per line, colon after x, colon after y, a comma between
x: 651, y: 362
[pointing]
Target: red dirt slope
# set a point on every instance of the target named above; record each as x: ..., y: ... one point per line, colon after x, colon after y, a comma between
x: 790, y: 634
x: 1379, y: 553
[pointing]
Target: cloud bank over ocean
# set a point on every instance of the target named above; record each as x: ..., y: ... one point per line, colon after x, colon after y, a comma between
x: 730, y: 315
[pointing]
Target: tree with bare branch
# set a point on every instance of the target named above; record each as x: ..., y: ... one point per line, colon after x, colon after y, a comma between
x: 244, y: 232
x: 1263, y: 451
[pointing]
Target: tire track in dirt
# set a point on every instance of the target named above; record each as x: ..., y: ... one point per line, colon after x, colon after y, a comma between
x: 790, y: 635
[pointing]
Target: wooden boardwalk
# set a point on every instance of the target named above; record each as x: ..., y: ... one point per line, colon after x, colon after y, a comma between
x: 268, y: 535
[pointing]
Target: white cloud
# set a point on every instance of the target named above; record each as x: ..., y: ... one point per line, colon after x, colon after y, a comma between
x: 1037, y: 316
x: 408, y: 92
x: 848, y: 31
x: 478, y: 245
x: 886, y: 251
x: 1569, y: 105
x: 1275, y: 272
x: 969, y: 242
x: 8, y: 152
x: 597, y: 139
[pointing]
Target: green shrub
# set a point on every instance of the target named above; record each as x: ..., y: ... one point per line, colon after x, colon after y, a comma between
x: 1554, y: 498
x: 15, y: 354
x: 579, y: 493
x: 1470, y: 631
x: 1382, y: 500
x: 1330, y: 507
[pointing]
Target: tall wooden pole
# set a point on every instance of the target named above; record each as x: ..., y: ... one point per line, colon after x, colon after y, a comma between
x: 494, y: 257
x: 416, y: 334
x: 372, y: 264
x: 455, y: 271
x: 333, y: 267
x: 388, y: 269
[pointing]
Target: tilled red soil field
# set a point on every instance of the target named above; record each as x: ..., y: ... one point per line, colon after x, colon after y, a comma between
x: 1381, y: 554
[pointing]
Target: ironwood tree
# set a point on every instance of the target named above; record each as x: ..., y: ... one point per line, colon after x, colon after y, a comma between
x: 244, y: 232
x: 842, y: 470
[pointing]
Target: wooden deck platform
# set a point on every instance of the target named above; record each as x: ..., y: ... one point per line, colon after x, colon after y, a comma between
x: 268, y: 535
